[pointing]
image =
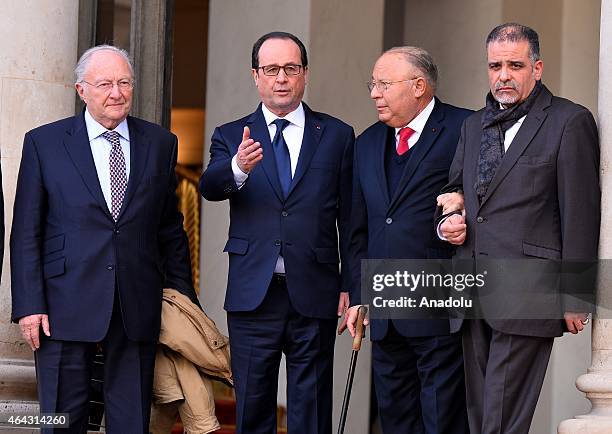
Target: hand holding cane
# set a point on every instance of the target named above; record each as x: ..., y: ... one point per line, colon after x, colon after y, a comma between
x: 360, y: 333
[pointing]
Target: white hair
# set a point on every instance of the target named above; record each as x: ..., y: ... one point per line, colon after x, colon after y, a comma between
x: 83, y: 63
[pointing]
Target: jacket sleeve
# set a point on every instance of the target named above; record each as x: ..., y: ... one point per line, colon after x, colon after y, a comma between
x: 455, y: 174
x: 173, y: 243
x: 359, y: 233
x: 345, y: 208
x: 455, y: 178
x: 579, y: 207
x: 27, y: 286
x: 217, y: 182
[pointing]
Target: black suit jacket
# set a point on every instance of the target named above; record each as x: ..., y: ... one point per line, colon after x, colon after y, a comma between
x: 68, y: 255
x: 543, y: 202
x: 398, y: 226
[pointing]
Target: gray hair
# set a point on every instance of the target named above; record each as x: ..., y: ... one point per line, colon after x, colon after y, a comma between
x: 514, y: 32
x: 420, y: 59
x: 83, y: 63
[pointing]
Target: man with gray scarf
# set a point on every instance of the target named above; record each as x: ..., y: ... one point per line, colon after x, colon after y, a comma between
x: 527, y: 168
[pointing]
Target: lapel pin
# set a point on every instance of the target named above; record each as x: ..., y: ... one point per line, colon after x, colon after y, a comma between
x: 318, y: 127
x: 433, y: 130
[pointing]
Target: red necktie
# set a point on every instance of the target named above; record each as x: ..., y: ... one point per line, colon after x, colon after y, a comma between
x: 404, y: 135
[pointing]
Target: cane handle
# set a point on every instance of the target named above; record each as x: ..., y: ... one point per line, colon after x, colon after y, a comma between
x: 360, y: 328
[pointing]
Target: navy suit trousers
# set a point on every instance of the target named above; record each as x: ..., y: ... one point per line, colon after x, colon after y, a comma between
x: 257, y: 340
x: 63, y: 372
x: 420, y: 373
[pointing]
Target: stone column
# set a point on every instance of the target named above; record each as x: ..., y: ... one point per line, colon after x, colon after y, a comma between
x: 597, y: 382
x: 38, y: 46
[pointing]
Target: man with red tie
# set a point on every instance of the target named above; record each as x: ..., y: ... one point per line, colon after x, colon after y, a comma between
x: 400, y: 163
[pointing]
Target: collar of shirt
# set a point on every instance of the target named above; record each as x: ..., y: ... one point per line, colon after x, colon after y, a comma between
x: 512, y: 132
x: 95, y: 129
x: 417, y: 124
x: 293, y: 133
x: 297, y: 117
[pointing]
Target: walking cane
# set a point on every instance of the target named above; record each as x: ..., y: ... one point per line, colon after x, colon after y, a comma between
x: 359, y: 334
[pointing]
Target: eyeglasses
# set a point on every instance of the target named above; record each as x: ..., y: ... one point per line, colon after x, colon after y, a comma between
x: 272, y: 70
x: 382, y: 86
x: 107, y: 86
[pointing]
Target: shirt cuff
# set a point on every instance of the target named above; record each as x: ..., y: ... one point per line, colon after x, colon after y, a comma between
x: 439, y: 231
x: 239, y: 176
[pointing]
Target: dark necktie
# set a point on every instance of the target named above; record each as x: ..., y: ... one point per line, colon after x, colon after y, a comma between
x: 118, y: 177
x: 281, y: 154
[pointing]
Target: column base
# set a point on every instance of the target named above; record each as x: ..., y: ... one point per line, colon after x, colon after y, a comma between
x: 14, y: 408
x: 18, y: 381
x: 586, y: 425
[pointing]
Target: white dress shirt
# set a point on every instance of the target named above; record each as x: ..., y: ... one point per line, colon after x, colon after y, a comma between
x: 101, y: 148
x: 417, y: 125
x: 511, y: 133
x: 293, y: 135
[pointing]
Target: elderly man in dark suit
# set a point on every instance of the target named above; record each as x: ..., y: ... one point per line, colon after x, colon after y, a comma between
x: 527, y: 166
x: 400, y: 164
x: 96, y: 237
x: 286, y: 171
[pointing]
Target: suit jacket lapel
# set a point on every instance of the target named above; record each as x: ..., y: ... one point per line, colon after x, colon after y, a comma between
x: 139, y: 150
x: 77, y: 145
x: 313, y: 130
x: 526, y: 132
x: 432, y: 129
x: 259, y: 133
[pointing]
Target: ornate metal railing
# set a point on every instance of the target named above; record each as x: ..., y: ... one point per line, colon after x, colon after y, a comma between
x: 189, y: 204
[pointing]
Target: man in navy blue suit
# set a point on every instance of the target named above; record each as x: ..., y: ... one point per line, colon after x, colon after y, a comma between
x: 286, y: 171
x: 96, y: 237
x: 400, y: 163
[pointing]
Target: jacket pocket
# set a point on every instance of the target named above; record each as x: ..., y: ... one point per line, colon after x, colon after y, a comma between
x: 237, y: 246
x: 53, y: 244
x: 54, y: 268
x: 534, y: 159
x: 326, y: 255
x: 540, y: 252
x: 322, y: 165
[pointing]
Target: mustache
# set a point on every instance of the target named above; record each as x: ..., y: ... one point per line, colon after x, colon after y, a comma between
x: 510, y: 84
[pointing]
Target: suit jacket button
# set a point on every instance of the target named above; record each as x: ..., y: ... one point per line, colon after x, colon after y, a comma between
x: 284, y: 213
x: 389, y: 220
x: 479, y: 219
x: 109, y: 267
x: 277, y: 242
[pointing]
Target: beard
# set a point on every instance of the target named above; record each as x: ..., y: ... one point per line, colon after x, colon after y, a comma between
x: 505, y: 98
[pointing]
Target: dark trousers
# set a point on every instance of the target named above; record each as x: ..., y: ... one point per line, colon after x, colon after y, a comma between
x: 419, y: 384
x: 257, y: 341
x: 504, y: 375
x: 63, y: 372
